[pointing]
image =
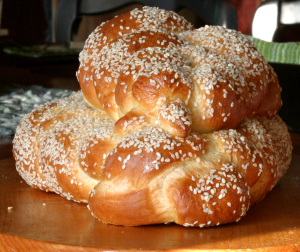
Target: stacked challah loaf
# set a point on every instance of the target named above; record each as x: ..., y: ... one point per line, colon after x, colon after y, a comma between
x: 173, y: 124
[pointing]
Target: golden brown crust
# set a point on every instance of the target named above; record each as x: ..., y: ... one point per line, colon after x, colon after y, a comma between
x: 53, y: 142
x: 258, y: 74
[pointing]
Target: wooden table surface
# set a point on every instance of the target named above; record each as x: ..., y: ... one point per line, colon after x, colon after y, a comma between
x: 33, y: 220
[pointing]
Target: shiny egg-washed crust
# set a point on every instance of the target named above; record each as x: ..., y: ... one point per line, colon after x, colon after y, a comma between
x: 153, y: 63
x: 150, y: 175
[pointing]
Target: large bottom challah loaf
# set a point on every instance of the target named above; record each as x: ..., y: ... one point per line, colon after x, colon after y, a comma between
x: 150, y: 176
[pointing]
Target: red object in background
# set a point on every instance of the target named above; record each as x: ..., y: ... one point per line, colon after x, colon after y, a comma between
x: 245, y: 13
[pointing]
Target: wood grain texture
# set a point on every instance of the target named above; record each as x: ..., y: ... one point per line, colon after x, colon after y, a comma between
x: 40, y: 221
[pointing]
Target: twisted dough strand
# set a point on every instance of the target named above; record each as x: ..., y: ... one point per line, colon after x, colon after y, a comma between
x: 145, y: 19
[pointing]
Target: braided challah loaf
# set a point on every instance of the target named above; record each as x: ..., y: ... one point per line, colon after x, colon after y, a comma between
x: 177, y: 77
x: 150, y: 175
x: 173, y: 124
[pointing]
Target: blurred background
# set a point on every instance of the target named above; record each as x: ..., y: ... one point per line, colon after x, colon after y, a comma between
x: 37, y: 22
x: 31, y: 20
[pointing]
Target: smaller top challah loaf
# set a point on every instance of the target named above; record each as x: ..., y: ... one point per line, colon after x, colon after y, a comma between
x: 152, y: 63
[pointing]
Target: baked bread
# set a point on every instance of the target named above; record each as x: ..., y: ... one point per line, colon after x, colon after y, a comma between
x: 149, y: 176
x: 179, y: 79
x: 173, y: 124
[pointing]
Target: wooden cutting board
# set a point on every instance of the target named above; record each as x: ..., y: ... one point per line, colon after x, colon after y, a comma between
x: 33, y: 220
